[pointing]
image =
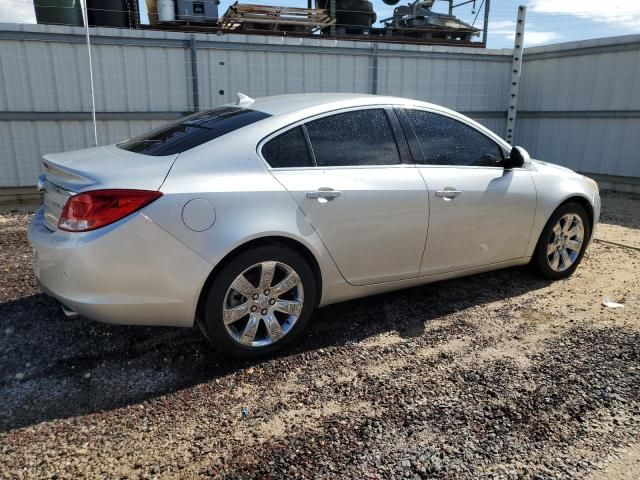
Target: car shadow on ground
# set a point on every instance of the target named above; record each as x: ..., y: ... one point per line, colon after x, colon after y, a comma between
x: 52, y: 367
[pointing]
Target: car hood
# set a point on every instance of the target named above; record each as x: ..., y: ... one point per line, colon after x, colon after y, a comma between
x: 106, y: 167
x: 553, y: 168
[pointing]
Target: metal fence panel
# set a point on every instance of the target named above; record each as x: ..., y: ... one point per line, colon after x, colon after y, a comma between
x: 223, y: 73
x: 24, y: 143
x: 606, y: 146
x: 460, y: 84
x: 579, y: 103
x: 582, y: 76
x: 44, y: 77
x: 495, y: 122
x: 44, y: 70
x: 131, y: 78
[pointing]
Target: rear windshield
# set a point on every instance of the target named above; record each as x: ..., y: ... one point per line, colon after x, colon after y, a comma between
x: 191, y: 131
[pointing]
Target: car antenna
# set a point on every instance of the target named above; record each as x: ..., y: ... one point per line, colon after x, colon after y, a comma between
x: 244, y: 100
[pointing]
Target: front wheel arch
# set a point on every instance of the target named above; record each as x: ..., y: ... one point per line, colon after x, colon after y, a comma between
x: 537, y: 262
x: 584, y: 203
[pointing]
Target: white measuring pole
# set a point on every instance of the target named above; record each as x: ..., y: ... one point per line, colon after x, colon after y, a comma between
x: 516, y: 70
x: 85, y: 18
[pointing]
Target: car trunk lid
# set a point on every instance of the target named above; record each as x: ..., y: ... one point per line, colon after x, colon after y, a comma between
x: 97, y: 168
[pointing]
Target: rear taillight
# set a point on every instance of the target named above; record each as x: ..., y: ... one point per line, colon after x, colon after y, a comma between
x: 97, y: 208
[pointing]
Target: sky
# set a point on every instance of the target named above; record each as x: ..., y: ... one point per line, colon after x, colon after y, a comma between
x: 548, y: 21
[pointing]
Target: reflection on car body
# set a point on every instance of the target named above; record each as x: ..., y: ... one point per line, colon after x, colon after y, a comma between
x: 244, y: 218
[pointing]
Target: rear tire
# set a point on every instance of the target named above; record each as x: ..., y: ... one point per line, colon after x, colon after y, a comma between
x: 562, y: 243
x: 259, y: 302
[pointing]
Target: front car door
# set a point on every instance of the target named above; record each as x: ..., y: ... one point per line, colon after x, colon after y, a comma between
x: 480, y: 213
x: 358, y: 189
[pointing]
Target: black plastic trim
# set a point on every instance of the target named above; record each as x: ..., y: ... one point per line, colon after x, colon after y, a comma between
x: 398, y: 134
x: 409, y: 134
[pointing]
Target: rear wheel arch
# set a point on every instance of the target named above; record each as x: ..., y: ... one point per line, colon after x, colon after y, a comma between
x: 282, y: 241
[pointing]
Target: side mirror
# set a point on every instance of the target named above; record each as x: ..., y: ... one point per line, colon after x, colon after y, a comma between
x: 518, y: 157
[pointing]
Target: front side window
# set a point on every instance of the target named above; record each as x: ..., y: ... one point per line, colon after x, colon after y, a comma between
x: 360, y: 137
x: 288, y: 149
x: 191, y: 131
x: 445, y: 141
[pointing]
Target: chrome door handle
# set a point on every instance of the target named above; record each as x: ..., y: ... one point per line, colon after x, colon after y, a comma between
x: 448, y: 193
x: 327, y: 194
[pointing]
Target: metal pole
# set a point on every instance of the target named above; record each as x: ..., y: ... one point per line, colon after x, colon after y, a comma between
x: 516, y: 71
x: 486, y: 22
x: 332, y: 14
x: 374, y: 69
x: 85, y: 18
x: 194, y: 73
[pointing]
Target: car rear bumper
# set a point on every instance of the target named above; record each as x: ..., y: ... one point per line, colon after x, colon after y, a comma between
x: 130, y: 272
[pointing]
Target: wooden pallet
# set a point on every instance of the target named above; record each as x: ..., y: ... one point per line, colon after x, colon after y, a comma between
x: 244, y: 16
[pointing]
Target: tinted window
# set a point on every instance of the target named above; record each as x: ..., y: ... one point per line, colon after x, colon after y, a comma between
x: 192, y: 131
x: 361, y: 137
x: 288, y: 150
x: 445, y: 141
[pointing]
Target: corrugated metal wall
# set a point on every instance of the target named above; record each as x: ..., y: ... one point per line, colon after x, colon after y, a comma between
x: 580, y: 105
x: 143, y: 78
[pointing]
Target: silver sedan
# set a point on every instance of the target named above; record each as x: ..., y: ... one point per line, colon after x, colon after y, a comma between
x: 244, y: 218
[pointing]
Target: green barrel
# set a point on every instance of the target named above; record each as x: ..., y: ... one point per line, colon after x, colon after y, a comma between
x: 59, y: 12
x: 108, y: 13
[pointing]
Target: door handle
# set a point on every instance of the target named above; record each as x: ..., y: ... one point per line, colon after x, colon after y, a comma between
x: 326, y: 194
x: 448, y: 193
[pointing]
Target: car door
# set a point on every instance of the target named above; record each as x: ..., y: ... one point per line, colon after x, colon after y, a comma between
x: 480, y: 213
x: 347, y: 174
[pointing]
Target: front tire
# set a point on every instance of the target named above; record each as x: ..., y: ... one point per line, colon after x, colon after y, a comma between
x: 563, y: 241
x: 260, y: 302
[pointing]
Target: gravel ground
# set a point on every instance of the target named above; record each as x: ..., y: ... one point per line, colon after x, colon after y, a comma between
x: 499, y: 375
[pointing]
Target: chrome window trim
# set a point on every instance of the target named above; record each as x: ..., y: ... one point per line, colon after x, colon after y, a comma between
x: 341, y: 167
x: 474, y: 167
x: 318, y: 116
x: 483, y: 131
x: 461, y: 118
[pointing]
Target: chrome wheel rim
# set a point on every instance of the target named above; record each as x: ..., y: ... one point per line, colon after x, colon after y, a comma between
x: 565, y: 242
x: 263, y: 304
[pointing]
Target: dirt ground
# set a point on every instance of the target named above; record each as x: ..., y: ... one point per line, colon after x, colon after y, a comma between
x: 500, y: 375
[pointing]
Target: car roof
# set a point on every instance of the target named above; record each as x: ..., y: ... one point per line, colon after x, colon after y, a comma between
x: 289, y: 109
x: 283, y: 104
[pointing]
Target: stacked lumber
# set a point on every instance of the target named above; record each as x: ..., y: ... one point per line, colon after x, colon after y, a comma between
x: 244, y: 16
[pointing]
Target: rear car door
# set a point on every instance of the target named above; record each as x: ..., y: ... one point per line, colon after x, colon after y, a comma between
x: 480, y: 213
x: 350, y: 174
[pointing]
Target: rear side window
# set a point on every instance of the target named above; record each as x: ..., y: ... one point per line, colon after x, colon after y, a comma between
x: 360, y: 137
x: 445, y: 141
x: 191, y: 131
x: 288, y: 149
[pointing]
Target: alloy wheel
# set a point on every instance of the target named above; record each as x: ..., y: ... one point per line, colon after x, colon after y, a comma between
x: 263, y: 304
x: 565, y: 242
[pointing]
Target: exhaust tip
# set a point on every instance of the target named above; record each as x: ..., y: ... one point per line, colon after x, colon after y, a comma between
x: 68, y: 312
